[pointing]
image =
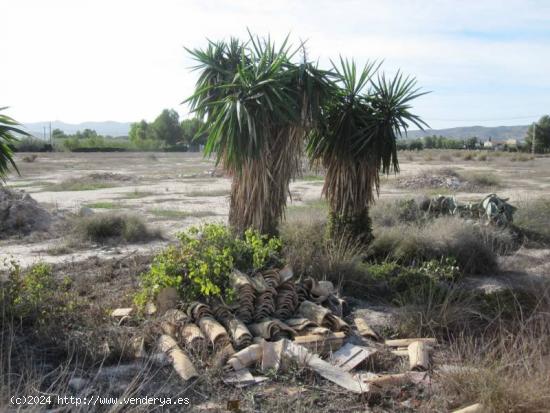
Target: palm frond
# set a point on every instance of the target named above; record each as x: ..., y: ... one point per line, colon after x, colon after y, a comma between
x: 8, y: 127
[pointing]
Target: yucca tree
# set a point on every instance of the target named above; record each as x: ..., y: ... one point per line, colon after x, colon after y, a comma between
x: 357, y: 142
x: 258, y: 105
x: 8, y: 127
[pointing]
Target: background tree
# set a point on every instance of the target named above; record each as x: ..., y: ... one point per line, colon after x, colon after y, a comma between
x: 167, y: 128
x: 8, y: 127
x: 58, y: 134
x: 192, y: 132
x: 471, y: 143
x: 258, y: 106
x: 542, y: 138
x: 358, y: 141
x: 140, y: 131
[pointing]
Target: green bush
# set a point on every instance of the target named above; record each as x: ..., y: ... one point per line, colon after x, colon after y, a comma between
x: 199, y: 267
x: 35, y: 296
x: 394, y: 279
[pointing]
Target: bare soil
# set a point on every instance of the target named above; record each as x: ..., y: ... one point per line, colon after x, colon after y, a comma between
x: 175, y: 190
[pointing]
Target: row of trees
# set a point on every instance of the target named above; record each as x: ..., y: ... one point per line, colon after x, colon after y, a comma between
x: 260, y: 105
x: 439, y: 142
x: 168, y: 131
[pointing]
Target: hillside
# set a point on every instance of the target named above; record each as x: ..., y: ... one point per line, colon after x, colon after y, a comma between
x: 496, y: 133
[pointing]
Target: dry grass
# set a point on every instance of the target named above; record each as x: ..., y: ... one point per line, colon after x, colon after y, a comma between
x: 474, y: 248
x: 175, y: 214
x: 505, y: 362
x: 533, y: 219
x: 482, y: 180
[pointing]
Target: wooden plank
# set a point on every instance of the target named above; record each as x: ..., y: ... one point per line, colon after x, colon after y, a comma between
x: 404, y: 342
x: 474, y: 408
x: 121, y: 312
x: 239, y: 378
x: 324, y: 369
x: 419, y: 356
x: 350, y: 356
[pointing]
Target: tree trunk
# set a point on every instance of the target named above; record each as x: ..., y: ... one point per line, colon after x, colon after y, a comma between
x: 355, y: 226
x: 260, y: 188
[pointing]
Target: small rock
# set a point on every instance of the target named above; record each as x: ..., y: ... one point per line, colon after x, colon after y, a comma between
x: 77, y: 383
x: 85, y: 212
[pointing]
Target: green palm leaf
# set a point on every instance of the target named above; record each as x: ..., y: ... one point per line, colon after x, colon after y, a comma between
x: 8, y: 127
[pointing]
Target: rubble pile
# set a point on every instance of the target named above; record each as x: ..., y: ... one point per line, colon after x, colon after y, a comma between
x: 440, y: 180
x: 20, y: 214
x: 276, y: 321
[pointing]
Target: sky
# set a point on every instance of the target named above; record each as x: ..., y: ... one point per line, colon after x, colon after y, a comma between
x: 484, y: 62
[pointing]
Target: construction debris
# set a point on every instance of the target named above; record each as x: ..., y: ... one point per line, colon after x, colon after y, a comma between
x: 404, y: 342
x: 323, y: 344
x: 350, y: 356
x: 272, y: 329
x: 419, y: 356
x: 298, y: 323
x: 213, y: 331
x: 246, y: 357
x: 364, y: 330
x: 181, y: 363
x: 121, y: 312
x: 474, y: 408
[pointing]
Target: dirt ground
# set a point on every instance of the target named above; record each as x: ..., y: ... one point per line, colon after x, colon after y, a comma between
x: 174, y: 190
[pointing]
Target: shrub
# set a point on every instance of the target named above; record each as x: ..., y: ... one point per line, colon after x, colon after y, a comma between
x: 33, y: 145
x: 435, y: 309
x: 34, y: 296
x: 388, y: 213
x: 105, y: 227
x: 30, y: 158
x: 393, y: 279
x: 470, y: 245
x: 532, y: 219
x: 199, y: 267
x: 483, y: 180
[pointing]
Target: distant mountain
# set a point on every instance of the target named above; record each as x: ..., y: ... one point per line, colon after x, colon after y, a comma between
x: 102, y: 128
x: 496, y: 133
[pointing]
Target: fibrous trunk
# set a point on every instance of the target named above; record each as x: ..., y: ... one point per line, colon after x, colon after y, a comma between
x: 349, y: 189
x: 260, y: 188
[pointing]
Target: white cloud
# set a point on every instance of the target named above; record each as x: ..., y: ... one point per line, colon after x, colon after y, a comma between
x: 124, y: 60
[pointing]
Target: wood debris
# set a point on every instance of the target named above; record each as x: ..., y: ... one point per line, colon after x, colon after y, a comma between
x: 474, y: 408
x: 350, y: 356
x: 404, y: 342
x: 121, y: 312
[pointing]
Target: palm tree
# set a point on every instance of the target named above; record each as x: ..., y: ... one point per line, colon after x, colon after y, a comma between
x: 8, y: 127
x: 358, y: 142
x: 258, y: 105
